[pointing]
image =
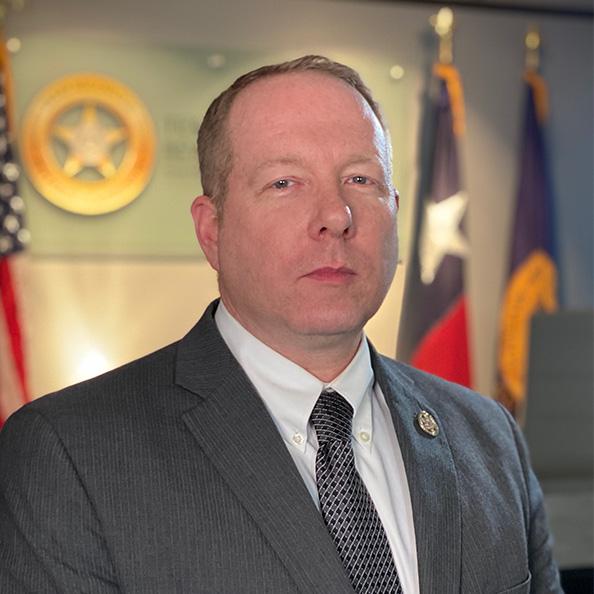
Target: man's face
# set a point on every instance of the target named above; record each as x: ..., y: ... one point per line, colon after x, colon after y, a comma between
x: 306, y: 247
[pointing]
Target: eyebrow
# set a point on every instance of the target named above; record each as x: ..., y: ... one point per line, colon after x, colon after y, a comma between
x: 280, y: 161
x: 277, y: 161
x: 353, y: 160
x: 362, y: 160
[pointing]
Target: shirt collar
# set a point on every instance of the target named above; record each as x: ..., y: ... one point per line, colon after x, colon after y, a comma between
x: 289, y: 391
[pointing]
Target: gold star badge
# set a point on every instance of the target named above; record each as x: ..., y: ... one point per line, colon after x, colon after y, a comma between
x: 88, y: 144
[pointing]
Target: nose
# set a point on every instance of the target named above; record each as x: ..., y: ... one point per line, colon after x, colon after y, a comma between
x: 333, y: 217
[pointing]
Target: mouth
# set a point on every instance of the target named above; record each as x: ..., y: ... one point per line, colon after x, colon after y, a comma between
x: 329, y: 274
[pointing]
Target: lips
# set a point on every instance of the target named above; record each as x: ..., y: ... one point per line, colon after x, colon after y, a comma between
x: 329, y: 274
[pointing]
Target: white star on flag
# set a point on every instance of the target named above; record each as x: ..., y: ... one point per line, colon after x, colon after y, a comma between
x: 441, y: 234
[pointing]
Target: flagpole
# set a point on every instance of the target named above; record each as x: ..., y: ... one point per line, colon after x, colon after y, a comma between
x: 443, y: 24
x: 5, y: 7
x: 532, y: 44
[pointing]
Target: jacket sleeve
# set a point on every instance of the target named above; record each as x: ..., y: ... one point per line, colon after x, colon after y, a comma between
x: 50, y: 536
x: 545, y: 575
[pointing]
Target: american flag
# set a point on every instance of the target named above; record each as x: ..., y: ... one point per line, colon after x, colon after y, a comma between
x: 13, y: 238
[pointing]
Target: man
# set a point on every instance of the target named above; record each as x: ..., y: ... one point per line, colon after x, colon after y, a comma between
x: 271, y: 449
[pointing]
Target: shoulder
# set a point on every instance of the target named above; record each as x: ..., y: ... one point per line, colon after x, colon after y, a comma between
x: 139, y: 375
x: 438, y: 391
x: 482, y: 437
x: 465, y: 412
x: 106, y: 404
x: 139, y: 395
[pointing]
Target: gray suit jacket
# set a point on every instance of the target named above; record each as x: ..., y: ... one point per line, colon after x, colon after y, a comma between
x: 168, y: 475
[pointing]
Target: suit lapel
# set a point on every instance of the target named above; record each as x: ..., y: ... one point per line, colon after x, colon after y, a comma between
x: 432, y: 482
x: 233, y: 428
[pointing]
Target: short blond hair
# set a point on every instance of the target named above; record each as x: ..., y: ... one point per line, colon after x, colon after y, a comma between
x: 214, y: 145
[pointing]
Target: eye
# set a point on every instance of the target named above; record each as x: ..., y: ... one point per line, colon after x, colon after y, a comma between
x: 281, y: 184
x: 361, y: 180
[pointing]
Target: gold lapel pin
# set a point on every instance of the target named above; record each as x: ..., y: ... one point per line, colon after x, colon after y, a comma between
x: 427, y: 423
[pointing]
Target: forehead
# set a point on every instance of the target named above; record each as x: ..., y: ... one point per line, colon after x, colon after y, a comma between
x: 300, y: 99
x: 293, y: 88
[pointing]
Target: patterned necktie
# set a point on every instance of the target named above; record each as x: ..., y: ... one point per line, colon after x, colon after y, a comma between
x: 346, y: 506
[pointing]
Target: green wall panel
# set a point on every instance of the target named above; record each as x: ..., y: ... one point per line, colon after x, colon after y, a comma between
x: 176, y: 85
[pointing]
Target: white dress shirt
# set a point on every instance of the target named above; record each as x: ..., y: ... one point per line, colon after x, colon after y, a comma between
x: 290, y: 393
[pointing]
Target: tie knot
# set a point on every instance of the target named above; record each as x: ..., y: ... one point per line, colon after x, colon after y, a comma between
x: 332, y: 418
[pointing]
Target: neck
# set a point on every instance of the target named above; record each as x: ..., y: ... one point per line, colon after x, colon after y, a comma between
x: 325, y: 356
x: 321, y: 358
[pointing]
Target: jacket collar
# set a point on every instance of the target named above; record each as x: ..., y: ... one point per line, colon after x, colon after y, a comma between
x: 431, y: 476
x: 233, y: 427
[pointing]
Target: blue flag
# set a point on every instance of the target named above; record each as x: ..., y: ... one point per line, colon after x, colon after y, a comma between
x: 532, y: 277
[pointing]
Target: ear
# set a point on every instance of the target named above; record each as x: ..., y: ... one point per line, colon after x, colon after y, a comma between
x: 397, y: 199
x: 206, y: 226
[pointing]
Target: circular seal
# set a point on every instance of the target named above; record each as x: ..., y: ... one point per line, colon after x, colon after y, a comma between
x: 427, y: 423
x: 88, y: 144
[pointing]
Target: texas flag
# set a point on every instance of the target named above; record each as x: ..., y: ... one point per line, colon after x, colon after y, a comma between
x: 434, y: 329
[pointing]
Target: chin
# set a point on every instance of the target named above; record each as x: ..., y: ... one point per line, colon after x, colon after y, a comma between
x: 331, y: 323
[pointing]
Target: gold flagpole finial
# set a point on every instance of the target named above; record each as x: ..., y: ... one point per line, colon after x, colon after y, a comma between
x: 443, y: 23
x: 532, y: 43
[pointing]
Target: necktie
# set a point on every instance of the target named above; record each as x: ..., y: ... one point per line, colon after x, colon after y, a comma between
x: 346, y: 506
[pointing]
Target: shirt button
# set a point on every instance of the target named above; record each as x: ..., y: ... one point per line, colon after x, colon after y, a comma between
x: 364, y: 436
x: 297, y: 438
